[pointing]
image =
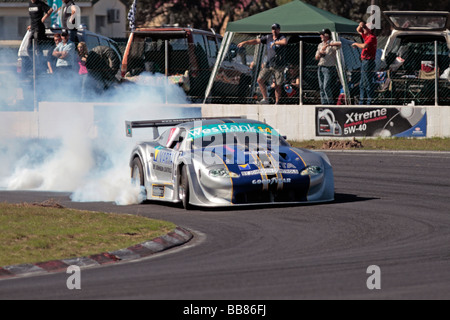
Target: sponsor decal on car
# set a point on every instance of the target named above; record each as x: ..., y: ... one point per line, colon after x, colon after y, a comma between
x: 212, y: 129
x: 269, y: 171
x: 163, y: 156
x: 158, y: 191
x: 272, y: 181
x: 244, y: 167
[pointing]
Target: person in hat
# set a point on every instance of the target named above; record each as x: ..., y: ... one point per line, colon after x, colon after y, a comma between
x: 368, y: 65
x: 327, y: 73
x: 275, y: 45
x: 65, y: 54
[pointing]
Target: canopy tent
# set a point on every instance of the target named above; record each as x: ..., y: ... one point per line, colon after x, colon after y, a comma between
x: 294, y: 17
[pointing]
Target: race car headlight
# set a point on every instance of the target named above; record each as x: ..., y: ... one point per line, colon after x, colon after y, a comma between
x: 311, y: 171
x: 222, y: 173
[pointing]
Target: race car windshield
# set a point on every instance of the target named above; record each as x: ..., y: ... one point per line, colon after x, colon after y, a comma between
x: 251, y: 136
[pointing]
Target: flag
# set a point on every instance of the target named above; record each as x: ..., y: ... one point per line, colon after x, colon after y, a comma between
x: 132, y: 16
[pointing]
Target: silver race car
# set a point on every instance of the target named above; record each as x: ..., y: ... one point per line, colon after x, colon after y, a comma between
x: 224, y: 162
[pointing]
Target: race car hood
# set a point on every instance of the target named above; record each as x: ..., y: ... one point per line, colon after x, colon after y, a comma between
x: 254, y: 159
x: 260, y: 173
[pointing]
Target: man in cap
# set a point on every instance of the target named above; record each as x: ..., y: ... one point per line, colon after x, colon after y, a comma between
x: 368, y: 55
x: 327, y: 73
x: 275, y: 45
x: 65, y: 54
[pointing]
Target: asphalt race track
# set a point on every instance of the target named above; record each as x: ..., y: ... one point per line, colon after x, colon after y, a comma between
x: 391, y: 210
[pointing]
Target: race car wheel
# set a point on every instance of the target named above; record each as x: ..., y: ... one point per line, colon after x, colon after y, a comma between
x: 137, y: 176
x: 183, y: 188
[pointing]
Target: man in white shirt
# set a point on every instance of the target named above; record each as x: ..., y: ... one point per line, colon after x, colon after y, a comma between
x: 65, y: 53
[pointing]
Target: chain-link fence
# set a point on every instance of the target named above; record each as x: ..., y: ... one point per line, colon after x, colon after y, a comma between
x: 412, y: 72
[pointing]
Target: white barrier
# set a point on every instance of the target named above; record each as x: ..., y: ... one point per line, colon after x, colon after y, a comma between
x: 297, y: 122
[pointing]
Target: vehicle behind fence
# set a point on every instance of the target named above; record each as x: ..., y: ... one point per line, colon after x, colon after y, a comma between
x: 38, y: 76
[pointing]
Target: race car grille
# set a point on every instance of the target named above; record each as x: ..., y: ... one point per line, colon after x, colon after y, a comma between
x: 294, y: 195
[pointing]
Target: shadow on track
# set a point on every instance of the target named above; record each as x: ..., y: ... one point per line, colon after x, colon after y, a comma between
x: 338, y: 198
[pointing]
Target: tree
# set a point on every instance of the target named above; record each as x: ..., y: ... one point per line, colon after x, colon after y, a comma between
x: 205, y: 14
x: 202, y: 14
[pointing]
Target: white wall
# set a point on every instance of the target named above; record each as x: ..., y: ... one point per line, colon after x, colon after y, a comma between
x: 296, y: 122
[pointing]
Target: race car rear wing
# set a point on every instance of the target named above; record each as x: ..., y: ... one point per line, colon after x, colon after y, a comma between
x: 155, y: 124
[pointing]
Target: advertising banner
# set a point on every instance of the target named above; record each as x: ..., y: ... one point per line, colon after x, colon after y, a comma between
x: 371, y: 122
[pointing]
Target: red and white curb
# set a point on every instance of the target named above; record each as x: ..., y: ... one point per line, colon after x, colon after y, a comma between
x: 174, y: 238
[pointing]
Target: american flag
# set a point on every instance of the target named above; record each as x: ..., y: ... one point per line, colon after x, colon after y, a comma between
x: 132, y: 16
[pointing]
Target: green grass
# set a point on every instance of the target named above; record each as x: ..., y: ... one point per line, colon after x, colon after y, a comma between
x: 428, y: 144
x: 31, y: 233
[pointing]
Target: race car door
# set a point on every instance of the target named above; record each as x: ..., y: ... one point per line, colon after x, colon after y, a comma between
x: 166, y: 154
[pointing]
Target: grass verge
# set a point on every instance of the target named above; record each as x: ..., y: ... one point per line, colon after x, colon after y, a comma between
x: 428, y: 144
x: 36, y: 233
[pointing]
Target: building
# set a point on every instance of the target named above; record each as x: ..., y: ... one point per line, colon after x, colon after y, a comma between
x: 106, y: 17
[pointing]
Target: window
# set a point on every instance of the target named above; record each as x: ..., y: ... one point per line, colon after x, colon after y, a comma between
x: 100, y: 22
x: 91, y: 41
x: 23, y: 23
x: 104, y: 42
x: 199, y: 41
x: 212, y: 47
x: 179, y: 44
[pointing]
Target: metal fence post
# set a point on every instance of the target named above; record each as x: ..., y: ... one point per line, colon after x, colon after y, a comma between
x: 436, y: 74
x: 34, y: 74
x: 300, y: 90
x: 166, y: 64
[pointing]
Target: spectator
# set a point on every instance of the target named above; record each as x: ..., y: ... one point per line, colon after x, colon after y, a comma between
x: 292, y: 84
x: 82, y: 71
x: 51, y: 63
x: 39, y: 12
x: 327, y: 73
x: 275, y: 44
x: 65, y: 53
x: 68, y: 13
x: 368, y: 54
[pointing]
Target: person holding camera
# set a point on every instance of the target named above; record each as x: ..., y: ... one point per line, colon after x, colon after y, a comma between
x: 368, y: 65
x: 327, y: 72
x: 275, y: 45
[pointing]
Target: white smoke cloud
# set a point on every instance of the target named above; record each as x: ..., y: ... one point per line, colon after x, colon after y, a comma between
x: 91, y: 163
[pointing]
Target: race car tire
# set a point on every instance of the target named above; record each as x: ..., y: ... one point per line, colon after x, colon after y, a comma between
x: 183, y: 189
x: 137, y: 175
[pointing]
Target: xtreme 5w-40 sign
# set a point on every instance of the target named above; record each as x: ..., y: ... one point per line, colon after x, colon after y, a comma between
x: 371, y: 122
